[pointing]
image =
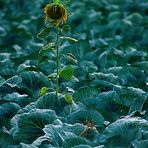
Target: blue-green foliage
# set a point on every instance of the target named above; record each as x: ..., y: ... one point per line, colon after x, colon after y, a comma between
x: 107, y: 69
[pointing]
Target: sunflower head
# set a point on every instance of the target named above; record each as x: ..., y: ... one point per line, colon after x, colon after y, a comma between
x: 55, y: 12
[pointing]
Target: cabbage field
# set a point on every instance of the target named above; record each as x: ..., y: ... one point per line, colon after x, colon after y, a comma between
x: 77, y: 79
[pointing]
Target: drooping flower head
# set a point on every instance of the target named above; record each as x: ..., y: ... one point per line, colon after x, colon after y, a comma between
x: 55, y: 12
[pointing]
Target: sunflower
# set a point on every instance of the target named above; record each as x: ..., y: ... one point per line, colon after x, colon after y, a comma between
x: 55, y: 12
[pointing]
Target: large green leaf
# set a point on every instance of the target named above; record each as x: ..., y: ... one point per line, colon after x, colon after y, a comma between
x: 142, y: 65
x: 103, y: 85
x: 51, y: 101
x: 43, y: 141
x: 13, y: 81
x: 85, y: 117
x: 27, y: 108
x: 110, y: 65
x: 140, y: 144
x: 6, y: 89
x: 58, y: 132
x: 132, y: 97
x: 23, y: 145
x: 10, y: 85
x: 76, y: 141
x: 106, y: 103
x: 131, y: 76
x: 88, y: 66
x: 66, y: 73
x: 106, y: 77
x: 8, y: 72
x: 6, y: 140
x: 22, y: 100
x: 7, y: 111
x: 28, y: 126
x: 117, y: 131
x: 135, y: 17
x: 32, y: 82
x: 85, y: 92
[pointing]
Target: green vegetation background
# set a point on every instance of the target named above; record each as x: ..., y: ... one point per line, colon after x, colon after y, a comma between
x: 110, y: 76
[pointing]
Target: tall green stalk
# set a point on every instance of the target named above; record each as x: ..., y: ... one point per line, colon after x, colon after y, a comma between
x: 56, y: 15
x: 57, y: 61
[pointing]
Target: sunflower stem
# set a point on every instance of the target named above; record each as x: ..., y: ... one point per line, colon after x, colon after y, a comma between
x: 57, y: 61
